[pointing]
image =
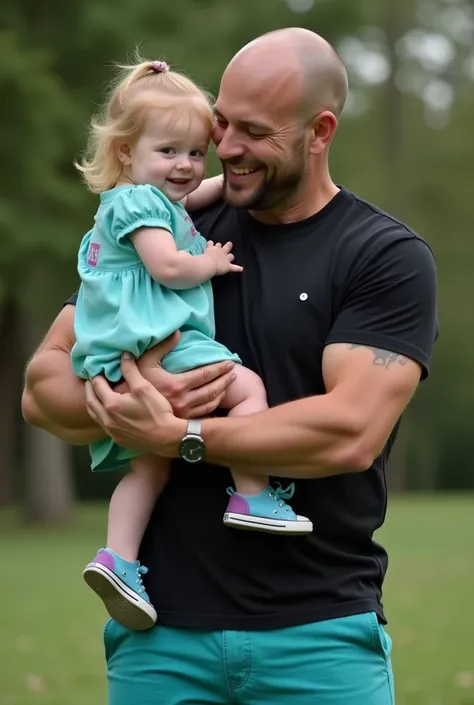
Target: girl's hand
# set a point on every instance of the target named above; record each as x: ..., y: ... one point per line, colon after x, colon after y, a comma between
x: 222, y: 257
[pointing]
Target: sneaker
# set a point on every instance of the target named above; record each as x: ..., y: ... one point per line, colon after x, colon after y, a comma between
x: 119, y: 585
x: 266, y: 511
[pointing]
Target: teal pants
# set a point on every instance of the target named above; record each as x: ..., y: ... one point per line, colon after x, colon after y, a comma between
x: 342, y: 661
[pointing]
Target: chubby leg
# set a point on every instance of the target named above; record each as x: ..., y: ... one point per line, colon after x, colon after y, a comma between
x: 255, y: 504
x: 115, y: 574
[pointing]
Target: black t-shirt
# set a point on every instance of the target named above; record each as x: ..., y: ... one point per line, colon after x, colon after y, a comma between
x: 350, y: 274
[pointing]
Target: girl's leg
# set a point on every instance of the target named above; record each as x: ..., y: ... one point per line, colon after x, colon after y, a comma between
x: 132, y: 503
x: 115, y: 574
x: 255, y: 504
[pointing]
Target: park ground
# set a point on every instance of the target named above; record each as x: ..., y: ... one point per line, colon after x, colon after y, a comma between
x: 51, y: 649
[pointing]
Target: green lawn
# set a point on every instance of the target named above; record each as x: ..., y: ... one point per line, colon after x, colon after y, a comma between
x: 50, y: 626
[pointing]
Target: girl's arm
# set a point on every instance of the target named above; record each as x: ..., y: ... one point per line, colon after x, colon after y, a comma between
x: 208, y: 192
x: 168, y: 265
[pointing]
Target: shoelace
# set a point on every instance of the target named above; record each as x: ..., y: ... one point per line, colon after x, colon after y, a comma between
x: 279, y: 494
x: 141, y: 570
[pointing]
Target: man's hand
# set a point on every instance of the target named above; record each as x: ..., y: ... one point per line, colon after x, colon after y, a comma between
x: 141, y: 418
x: 192, y: 394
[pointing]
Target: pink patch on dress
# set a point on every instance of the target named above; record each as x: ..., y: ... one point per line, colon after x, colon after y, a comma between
x: 93, y: 254
x: 193, y: 229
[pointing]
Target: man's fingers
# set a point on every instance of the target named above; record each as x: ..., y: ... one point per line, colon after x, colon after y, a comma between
x: 198, y: 412
x: 207, y: 397
x: 100, y: 391
x: 194, y: 379
x: 157, y: 352
x: 94, y: 406
x: 132, y: 375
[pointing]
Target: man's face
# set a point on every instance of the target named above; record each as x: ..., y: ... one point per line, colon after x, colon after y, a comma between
x: 261, y: 145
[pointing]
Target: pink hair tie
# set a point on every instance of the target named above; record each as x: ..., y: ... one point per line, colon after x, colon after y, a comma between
x: 159, y: 66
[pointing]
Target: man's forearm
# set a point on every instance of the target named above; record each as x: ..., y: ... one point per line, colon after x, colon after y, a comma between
x: 53, y: 399
x: 306, y: 438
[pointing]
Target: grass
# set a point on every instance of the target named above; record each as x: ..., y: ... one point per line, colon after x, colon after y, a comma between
x: 51, y: 649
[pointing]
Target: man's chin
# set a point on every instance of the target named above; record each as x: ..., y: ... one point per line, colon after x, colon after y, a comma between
x: 239, y: 198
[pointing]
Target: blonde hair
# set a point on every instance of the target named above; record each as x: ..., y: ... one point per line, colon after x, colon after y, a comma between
x: 138, y: 88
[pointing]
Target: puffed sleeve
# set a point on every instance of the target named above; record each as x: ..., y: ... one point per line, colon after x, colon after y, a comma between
x: 139, y: 207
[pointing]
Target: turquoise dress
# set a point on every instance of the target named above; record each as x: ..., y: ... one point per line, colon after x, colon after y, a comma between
x: 120, y: 307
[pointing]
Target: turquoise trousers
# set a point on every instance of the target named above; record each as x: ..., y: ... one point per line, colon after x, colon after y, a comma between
x: 342, y: 661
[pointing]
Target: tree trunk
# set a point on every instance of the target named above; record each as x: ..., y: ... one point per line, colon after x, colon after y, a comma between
x: 49, y: 487
x: 49, y: 491
x: 11, y: 364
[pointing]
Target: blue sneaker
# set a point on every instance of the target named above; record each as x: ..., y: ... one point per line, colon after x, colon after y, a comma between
x: 266, y: 511
x: 119, y: 584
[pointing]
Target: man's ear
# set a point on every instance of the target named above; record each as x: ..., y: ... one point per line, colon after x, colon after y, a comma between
x: 322, y: 132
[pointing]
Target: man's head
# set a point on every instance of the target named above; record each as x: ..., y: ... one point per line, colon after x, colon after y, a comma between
x: 277, y: 110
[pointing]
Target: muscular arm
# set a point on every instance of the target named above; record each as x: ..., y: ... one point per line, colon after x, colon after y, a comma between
x: 341, y: 431
x: 53, y: 397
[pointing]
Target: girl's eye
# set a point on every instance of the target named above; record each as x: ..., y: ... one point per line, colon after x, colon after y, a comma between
x: 196, y: 153
x: 167, y: 150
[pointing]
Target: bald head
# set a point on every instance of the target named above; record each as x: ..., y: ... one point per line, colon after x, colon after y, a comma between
x: 296, y: 66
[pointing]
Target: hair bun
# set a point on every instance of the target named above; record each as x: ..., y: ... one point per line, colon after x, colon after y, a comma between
x: 159, y: 66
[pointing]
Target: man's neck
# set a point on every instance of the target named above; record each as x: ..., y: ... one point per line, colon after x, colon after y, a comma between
x: 307, y: 203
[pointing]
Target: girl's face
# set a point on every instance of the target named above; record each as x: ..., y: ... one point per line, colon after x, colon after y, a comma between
x: 173, y: 161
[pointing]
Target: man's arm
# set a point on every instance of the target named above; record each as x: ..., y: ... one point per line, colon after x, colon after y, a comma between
x: 209, y: 191
x: 53, y: 396
x: 341, y: 431
x: 338, y: 432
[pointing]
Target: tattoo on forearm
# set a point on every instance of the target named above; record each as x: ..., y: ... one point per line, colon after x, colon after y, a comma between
x: 382, y: 358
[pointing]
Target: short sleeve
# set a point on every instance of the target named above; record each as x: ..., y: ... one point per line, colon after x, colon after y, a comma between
x: 139, y: 207
x: 72, y: 300
x: 391, y: 302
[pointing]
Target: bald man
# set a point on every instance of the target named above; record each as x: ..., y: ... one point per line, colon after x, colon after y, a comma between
x: 336, y: 310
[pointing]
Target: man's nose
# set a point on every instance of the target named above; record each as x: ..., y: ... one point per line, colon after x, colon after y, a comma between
x: 229, y: 146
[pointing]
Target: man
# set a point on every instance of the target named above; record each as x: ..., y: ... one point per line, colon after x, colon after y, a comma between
x: 336, y: 310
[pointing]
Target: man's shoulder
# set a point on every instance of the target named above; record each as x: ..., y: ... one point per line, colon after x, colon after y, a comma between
x: 374, y: 229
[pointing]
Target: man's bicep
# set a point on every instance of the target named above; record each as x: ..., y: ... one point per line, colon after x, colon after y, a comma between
x: 60, y: 335
x: 374, y: 383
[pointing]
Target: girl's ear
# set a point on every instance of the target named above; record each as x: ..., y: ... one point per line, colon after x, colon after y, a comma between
x: 124, y: 153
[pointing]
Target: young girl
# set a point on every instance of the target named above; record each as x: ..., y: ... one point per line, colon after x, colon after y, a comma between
x: 145, y: 273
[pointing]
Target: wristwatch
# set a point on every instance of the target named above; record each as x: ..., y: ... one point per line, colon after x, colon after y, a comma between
x: 192, y: 448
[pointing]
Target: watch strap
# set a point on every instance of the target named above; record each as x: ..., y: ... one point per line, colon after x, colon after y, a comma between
x: 194, y: 427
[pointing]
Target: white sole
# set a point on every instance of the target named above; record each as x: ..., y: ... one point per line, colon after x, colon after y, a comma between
x: 269, y: 526
x: 123, y: 604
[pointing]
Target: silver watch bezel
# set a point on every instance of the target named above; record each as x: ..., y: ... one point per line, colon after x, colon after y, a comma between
x: 193, y: 432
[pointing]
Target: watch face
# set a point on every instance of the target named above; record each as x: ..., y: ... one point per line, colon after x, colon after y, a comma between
x: 192, y: 449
